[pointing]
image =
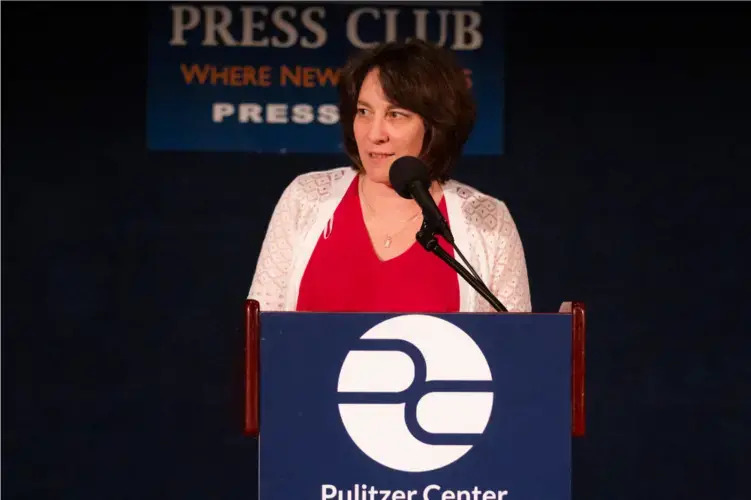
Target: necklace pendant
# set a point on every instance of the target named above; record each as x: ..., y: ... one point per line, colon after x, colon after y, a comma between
x: 387, y: 241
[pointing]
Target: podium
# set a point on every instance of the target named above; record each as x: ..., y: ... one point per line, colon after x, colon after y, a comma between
x: 375, y: 406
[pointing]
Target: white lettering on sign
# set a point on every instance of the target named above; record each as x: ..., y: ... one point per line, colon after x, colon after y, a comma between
x: 466, y: 26
x: 430, y: 492
x: 275, y: 113
x: 258, y: 27
x: 288, y: 26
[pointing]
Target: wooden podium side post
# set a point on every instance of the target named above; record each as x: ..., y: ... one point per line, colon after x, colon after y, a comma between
x: 578, y: 358
x: 252, y: 367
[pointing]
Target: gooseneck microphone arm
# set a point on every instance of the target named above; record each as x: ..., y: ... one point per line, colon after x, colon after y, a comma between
x: 426, y: 237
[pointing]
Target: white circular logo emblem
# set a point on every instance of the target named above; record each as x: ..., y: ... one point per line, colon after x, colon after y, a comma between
x: 415, y: 393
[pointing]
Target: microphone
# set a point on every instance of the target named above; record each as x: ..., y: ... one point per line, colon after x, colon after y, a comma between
x: 409, y: 177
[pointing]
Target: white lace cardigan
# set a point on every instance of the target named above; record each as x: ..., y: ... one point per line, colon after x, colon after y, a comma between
x: 482, y: 227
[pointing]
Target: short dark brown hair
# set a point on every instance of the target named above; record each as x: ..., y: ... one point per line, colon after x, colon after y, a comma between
x: 424, y: 79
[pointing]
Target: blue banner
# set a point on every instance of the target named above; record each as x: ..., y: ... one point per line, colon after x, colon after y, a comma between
x: 262, y: 77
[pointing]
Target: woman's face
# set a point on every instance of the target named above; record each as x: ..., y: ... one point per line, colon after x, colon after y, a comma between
x: 384, y: 131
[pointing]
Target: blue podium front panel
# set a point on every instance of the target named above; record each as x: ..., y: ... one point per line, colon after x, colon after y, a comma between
x: 415, y: 407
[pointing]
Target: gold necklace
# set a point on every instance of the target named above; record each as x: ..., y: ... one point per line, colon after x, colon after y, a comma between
x: 389, y: 237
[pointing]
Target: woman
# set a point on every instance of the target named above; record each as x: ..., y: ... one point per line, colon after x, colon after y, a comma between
x: 344, y: 240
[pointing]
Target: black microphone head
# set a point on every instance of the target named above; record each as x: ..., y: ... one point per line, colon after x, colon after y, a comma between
x: 404, y: 171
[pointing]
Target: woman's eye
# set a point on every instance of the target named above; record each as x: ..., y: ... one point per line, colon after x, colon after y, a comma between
x: 361, y: 111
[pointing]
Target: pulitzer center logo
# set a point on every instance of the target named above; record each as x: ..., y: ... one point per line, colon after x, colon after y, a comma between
x: 416, y: 393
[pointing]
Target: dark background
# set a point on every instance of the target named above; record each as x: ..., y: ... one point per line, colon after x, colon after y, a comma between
x: 124, y: 271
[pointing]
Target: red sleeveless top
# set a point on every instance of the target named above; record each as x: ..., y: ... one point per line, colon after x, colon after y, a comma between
x: 344, y: 273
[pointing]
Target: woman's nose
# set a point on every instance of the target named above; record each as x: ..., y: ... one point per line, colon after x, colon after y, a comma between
x: 377, y: 131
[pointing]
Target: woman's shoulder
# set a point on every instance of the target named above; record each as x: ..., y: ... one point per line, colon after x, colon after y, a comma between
x: 319, y: 185
x: 479, y: 208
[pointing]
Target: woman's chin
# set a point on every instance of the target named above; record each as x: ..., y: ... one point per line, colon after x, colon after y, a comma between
x: 378, y: 173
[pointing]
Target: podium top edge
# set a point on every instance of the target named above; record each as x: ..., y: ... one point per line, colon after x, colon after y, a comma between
x: 405, y: 313
x: 569, y: 308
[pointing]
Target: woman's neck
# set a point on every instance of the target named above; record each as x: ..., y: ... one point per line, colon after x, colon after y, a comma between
x: 384, y: 200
